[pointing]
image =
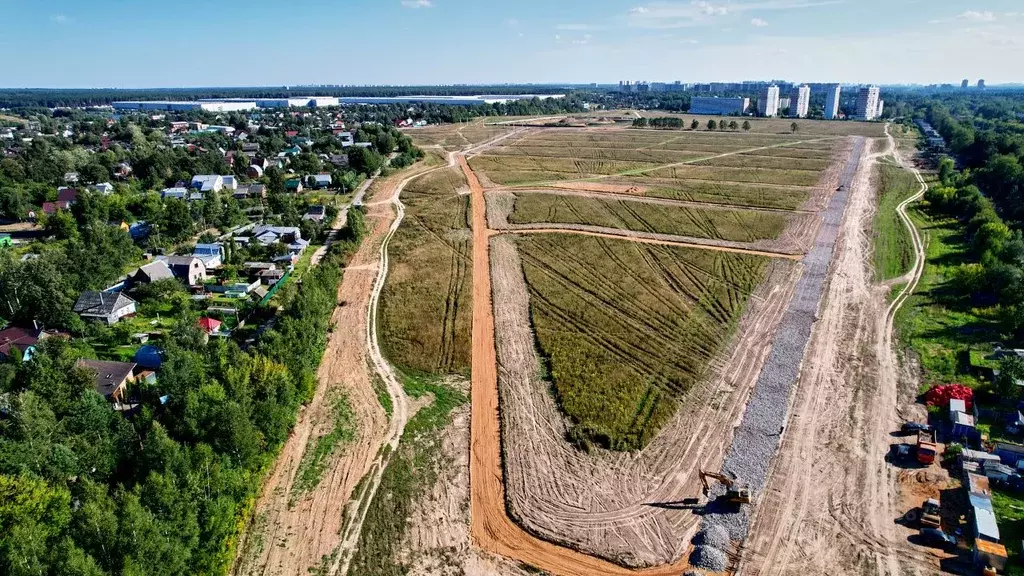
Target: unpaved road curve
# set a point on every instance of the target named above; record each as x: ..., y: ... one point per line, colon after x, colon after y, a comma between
x: 491, y: 527
x: 832, y: 500
x: 399, y: 399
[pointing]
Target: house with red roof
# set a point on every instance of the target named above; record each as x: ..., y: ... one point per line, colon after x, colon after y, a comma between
x: 209, y: 325
x: 21, y: 339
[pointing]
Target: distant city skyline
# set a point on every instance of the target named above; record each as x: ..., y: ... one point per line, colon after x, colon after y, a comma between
x: 134, y: 44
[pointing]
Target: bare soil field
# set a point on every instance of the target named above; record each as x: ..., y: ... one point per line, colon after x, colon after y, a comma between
x: 850, y: 395
x: 649, y: 323
x: 603, y: 502
x: 583, y: 504
x: 425, y: 309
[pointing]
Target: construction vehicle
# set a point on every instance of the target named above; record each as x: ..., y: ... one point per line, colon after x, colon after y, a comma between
x: 927, y: 515
x: 734, y: 492
x: 926, y: 448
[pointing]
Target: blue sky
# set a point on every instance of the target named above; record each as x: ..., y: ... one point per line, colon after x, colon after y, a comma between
x: 137, y: 43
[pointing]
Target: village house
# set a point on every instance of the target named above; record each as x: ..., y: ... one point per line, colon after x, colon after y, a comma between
x: 149, y: 273
x: 21, y: 340
x: 111, y: 378
x: 316, y: 213
x: 188, y: 269
x: 108, y: 307
x: 212, y: 255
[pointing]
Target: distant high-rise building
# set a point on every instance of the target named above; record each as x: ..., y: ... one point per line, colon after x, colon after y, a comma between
x: 800, y: 101
x: 867, y: 103
x: 879, y: 108
x: 768, y: 102
x: 965, y: 83
x: 981, y: 84
x: 716, y: 105
x: 832, y: 102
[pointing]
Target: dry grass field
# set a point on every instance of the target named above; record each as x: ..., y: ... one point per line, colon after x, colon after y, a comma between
x: 757, y: 125
x: 425, y: 306
x: 452, y: 137
x: 714, y: 223
x: 756, y: 195
x: 564, y: 154
x: 626, y: 328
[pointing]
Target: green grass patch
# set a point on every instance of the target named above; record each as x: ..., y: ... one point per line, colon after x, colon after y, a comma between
x: 626, y: 328
x: 715, y: 223
x: 425, y: 307
x: 381, y: 390
x: 1009, y: 510
x: 894, y: 246
x: 939, y: 327
x: 315, y: 459
x: 412, y: 470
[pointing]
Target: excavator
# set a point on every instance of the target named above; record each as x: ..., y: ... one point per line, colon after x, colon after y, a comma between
x: 734, y: 492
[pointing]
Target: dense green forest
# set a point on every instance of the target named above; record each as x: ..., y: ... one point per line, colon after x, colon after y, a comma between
x: 980, y: 187
x: 72, y: 97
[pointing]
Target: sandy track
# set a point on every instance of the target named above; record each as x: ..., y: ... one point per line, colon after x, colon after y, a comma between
x: 288, y: 541
x: 722, y: 404
x: 847, y: 401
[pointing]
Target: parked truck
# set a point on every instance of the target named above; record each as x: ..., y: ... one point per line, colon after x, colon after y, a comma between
x: 926, y: 448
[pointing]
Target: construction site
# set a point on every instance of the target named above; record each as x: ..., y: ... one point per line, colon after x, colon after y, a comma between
x: 660, y: 330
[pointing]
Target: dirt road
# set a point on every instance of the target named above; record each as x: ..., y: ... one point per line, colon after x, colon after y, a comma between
x: 384, y: 200
x: 849, y: 397
x: 289, y: 535
x: 287, y: 540
x: 491, y: 528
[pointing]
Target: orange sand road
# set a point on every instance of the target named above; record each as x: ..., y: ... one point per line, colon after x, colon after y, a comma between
x: 491, y: 527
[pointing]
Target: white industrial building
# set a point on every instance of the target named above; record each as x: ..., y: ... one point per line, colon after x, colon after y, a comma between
x: 718, y: 106
x: 832, y: 102
x: 298, y: 102
x: 180, y: 106
x: 867, y: 103
x: 768, y: 102
x: 800, y: 101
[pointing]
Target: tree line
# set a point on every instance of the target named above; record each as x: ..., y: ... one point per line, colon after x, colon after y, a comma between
x: 86, y: 491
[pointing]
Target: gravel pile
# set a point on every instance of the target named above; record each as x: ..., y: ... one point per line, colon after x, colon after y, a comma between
x: 708, y: 558
x: 758, y: 435
x: 712, y: 535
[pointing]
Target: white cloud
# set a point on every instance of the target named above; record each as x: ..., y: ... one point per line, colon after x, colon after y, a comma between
x: 758, y: 22
x: 666, y: 14
x: 577, y: 27
x: 59, y: 18
x: 417, y: 3
x: 976, y: 16
x: 512, y: 22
